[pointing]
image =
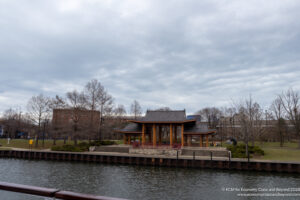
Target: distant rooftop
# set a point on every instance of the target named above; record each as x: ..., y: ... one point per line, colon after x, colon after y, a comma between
x: 164, y: 116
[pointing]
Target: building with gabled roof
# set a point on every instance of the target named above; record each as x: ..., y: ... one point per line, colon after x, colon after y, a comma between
x: 166, y: 127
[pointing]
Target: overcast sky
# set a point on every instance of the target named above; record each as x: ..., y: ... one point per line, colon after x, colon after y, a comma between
x: 181, y: 54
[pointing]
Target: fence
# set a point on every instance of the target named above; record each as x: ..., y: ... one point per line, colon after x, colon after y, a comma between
x: 50, y: 192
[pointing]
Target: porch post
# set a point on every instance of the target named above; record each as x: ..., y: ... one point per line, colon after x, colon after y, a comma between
x: 189, y: 140
x: 154, y: 135
x: 182, y: 137
x: 206, y: 140
x: 171, y: 135
x: 175, y: 133
x: 159, y: 135
x: 124, y: 138
x: 201, y: 140
x: 143, y: 135
x: 129, y: 139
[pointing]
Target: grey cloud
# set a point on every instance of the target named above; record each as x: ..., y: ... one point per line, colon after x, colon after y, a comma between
x: 185, y: 54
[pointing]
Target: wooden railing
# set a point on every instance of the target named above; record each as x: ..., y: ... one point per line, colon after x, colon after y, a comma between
x: 50, y: 192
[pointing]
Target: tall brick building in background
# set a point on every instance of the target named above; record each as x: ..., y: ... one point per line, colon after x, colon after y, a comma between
x: 79, y: 122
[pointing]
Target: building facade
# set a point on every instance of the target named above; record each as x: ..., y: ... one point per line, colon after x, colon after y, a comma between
x: 82, y: 123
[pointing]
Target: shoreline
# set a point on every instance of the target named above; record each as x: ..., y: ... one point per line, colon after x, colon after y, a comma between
x: 156, y: 160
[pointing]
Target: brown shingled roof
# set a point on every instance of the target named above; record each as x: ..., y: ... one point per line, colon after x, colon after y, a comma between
x: 165, y: 116
x: 198, y: 128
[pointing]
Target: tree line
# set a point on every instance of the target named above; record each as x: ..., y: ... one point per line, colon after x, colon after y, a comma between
x: 247, y: 121
x: 93, y: 97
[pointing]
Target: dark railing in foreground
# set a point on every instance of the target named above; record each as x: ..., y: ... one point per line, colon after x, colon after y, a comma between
x: 50, y: 192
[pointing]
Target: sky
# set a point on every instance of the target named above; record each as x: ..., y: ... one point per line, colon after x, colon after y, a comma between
x: 180, y: 54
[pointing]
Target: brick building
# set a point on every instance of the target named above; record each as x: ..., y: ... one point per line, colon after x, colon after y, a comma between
x: 77, y: 123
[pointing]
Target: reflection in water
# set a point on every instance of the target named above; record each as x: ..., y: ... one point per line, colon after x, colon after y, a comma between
x: 135, y: 182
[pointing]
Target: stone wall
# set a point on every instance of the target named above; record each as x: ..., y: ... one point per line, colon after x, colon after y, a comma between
x: 144, y: 151
x: 117, y: 149
x: 205, y: 152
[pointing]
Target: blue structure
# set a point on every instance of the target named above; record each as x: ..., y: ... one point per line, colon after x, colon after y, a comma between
x: 194, y: 117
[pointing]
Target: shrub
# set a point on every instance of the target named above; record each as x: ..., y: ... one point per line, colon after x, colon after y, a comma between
x: 239, y: 151
x: 107, y: 142
x: 67, y: 147
x: 256, y: 150
x: 83, y: 146
x: 95, y: 143
x: 103, y: 142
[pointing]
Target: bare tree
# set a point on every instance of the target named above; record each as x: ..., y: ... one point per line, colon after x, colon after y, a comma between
x: 211, y: 115
x: 58, y: 102
x: 231, y: 113
x: 136, y: 109
x: 77, y: 102
x: 93, y: 91
x: 120, y: 111
x: 39, y: 110
x: 258, y: 126
x: 119, y: 120
x: 98, y: 99
x: 277, y: 111
x: 246, y: 119
x: 10, y: 121
x: 106, y: 108
x: 291, y: 104
x: 57, y: 130
x: 15, y: 122
x: 226, y: 123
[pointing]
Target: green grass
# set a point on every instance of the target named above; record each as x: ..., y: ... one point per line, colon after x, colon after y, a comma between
x: 23, y: 143
x: 292, y: 145
x: 281, y: 154
x: 5, y: 148
x: 273, y: 151
x: 119, y: 141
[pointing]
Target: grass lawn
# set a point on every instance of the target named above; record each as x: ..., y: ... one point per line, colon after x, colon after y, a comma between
x: 5, y: 148
x: 23, y: 143
x: 281, y: 154
x: 291, y: 145
x: 273, y: 151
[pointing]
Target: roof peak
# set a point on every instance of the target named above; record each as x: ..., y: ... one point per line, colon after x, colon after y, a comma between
x: 166, y: 110
x: 165, y: 115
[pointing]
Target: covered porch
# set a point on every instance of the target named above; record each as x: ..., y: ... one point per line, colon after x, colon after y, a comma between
x: 171, y: 135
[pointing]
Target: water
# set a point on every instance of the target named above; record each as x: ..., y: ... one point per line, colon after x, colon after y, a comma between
x: 136, y: 182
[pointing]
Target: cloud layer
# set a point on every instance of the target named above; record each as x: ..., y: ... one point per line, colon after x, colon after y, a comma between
x: 181, y: 54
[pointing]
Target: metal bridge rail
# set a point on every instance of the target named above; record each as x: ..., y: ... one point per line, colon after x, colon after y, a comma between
x: 50, y: 192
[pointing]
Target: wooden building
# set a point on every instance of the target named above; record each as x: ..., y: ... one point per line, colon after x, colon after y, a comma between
x: 167, y: 128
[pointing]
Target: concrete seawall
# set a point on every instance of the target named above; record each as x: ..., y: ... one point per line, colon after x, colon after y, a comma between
x: 119, y: 158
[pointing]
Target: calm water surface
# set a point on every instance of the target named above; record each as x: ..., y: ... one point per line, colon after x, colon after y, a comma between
x: 134, y: 182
